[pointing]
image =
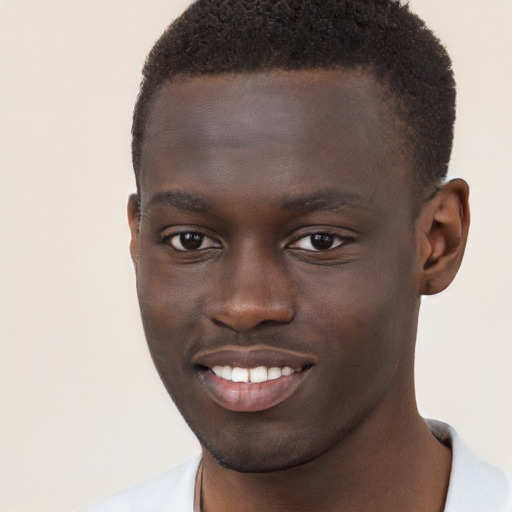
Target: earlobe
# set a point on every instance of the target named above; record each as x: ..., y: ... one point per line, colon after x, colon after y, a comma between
x: 134, y: 221
x: 443, y: 228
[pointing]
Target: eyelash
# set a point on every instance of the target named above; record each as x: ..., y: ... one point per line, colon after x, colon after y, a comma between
x: 337, y: 241
x: 168, y: 239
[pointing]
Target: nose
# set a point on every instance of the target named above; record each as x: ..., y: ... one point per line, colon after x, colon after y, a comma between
x: 251, y: 290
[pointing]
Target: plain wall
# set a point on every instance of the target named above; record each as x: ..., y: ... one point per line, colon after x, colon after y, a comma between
x: 82, y: 411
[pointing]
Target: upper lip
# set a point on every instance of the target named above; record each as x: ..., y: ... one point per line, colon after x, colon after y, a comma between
x: 251, y: 357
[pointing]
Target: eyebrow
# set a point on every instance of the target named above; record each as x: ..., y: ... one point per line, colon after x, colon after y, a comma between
x: 180, y: 200
x: 330, y: 200
x: 327, y: 200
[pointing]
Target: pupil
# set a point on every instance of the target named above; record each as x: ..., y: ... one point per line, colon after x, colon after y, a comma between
x: 191, y: 241
x: 321, y: 241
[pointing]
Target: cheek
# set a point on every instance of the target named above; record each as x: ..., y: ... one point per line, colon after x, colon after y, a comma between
x: 363, y: 311
x: 170, y: 300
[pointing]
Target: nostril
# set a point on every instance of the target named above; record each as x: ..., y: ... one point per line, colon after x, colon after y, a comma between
x: 244, y: 318
x: 218, y: 322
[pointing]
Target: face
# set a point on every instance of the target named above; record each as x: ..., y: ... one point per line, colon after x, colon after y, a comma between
x: 275, y: 259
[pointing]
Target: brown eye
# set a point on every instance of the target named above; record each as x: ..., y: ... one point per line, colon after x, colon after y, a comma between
x: 192, y: 241
x: 318, y: 242
x: 322, y: 242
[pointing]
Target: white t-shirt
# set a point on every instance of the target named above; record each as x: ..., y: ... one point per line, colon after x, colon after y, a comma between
x: 475, y: 486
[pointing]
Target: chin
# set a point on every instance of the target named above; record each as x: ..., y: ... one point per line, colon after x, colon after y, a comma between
x: 250, y: 454
x: 262, y: 447
x: 261, y: 463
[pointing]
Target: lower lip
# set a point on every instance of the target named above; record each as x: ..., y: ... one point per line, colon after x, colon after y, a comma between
x: 251, y: 397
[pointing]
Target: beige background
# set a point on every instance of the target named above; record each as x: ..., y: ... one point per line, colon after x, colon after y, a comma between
x: 82, y: 410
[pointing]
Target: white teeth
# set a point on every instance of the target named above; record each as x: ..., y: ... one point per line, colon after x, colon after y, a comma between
x: 255, y: 375
x: 223, y: 371
x: 240, y: 375
x: 274, y: 373
x: 258, y: 374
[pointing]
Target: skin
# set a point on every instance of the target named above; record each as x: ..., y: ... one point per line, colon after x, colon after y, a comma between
x: 235, y: 159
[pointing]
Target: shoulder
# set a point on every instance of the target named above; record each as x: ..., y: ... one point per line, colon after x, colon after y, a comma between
x: 172, y: 491
x: 475, y: 486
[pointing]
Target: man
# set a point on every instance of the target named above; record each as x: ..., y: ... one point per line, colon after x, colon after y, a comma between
x: 291, y: 209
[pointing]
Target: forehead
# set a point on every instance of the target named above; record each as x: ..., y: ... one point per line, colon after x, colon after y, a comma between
x: 302, y: 124
x: 306, y: 96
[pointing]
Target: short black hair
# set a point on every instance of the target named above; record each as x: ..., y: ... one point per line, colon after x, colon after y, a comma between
x: 383, y: 36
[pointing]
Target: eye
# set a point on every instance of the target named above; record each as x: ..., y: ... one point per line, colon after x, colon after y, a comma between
x: 191, y: 241
x: 318, y: 242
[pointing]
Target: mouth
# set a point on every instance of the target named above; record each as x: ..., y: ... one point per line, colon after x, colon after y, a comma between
x: 252, y: 380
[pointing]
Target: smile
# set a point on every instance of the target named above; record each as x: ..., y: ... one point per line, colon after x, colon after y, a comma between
x: 253, y: 375
x: 252, y: 379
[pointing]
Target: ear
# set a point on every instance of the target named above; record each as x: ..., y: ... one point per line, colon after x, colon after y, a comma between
x: 443, y: 226
x: 134, y: 221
